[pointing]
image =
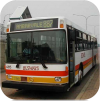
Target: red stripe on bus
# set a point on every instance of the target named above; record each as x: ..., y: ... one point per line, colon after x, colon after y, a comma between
x: 84, y: 63
x: 37, y: 73
x: 77, y: 67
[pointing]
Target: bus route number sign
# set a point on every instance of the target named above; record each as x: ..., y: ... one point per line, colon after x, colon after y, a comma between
x: 34, y: 24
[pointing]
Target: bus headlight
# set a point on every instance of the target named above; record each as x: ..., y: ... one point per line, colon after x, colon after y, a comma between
x: 57, y: 79
x: 9, y: 76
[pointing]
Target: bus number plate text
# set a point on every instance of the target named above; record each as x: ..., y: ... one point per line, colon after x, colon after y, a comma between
x: 35, y: 68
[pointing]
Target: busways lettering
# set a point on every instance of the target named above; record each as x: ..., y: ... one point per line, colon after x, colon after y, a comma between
x: 82, y: 55
x: 36, y: 68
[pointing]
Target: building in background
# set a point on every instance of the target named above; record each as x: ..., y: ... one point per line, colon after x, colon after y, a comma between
x: 3, y: 36
x: 21, y: 13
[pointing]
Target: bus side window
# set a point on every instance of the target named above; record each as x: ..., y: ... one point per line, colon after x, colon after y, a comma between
x: 84, y: 44
x: 79, y: 41
x: 85, y: 41
x: 71, y: 37
x: 72, y: 34
x: 89, y: 42
x: 95, y: 43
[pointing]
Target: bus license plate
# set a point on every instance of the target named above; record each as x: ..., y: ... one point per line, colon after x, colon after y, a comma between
x: 16, y: 78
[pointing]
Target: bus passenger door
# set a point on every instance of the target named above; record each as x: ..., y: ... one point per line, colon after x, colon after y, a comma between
x: 72, y: 63
x: 71, y: 49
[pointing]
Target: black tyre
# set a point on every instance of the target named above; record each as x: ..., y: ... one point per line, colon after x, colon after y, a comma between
x: 80, y: 76
x: 94, y: 62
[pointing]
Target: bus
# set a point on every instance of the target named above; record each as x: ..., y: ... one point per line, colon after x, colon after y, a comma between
x: 48, y: 53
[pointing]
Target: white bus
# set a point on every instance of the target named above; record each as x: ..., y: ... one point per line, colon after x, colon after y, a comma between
x: 47, y: 54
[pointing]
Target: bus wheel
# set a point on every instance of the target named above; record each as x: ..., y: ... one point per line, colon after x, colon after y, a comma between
x: 80, y: 76
x: 94, y: 62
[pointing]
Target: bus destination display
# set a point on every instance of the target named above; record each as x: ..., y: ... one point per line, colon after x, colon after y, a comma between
x: 34, y: 24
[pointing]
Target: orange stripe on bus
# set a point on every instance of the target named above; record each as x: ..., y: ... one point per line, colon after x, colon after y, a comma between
x: 85, y: 62
x: 76, y: 72
x: 85, y: 66
x: 38, y: 79
x: 37, y: 73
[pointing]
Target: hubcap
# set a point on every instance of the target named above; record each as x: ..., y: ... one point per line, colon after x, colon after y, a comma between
x: 80, y: 74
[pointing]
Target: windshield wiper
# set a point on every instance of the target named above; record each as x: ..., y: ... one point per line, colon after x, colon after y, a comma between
x: 17, y: 65
x: 41, y: 61
x: 19, y: 61
x: 43, y: 64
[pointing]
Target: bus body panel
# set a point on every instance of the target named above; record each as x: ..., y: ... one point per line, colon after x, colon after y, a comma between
x: 84, y: 57
x: 38, y: 73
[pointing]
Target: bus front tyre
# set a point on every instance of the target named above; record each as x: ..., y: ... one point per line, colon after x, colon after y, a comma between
x: 80, y: 77
x: 94, y: 62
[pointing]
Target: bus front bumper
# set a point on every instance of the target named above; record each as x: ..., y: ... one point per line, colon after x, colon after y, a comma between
x: 35, y: 86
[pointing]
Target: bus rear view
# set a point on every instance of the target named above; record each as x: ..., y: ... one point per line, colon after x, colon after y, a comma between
x: 37, y: 55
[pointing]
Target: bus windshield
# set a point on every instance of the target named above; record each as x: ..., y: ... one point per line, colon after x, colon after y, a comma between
x: 32, y: 47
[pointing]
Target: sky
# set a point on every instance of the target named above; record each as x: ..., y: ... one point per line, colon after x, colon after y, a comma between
x: 59, y: 8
